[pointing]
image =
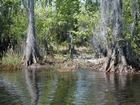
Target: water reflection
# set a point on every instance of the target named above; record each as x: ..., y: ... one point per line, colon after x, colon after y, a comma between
x: 124, y: 89
x: 84, y: 87
x: 50, y: 88
x: 91, y: 88
x: 65, y: 89
x: 31, y: 81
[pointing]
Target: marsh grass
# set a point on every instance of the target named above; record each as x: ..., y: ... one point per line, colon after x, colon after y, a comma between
x: 11, y: 58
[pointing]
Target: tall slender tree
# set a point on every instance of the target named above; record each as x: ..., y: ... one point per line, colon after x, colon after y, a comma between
x: 31, y: 52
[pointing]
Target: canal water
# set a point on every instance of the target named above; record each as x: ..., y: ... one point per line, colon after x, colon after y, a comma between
x: 84, y: 87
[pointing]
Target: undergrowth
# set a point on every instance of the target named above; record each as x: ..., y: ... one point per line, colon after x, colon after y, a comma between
x: 11, y: 58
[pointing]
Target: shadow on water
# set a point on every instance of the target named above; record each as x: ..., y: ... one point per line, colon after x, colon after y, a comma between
x: 84, y: 87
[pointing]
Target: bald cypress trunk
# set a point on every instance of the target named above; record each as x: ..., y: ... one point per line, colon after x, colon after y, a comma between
x: 118, y: 54
x: 31, y: 52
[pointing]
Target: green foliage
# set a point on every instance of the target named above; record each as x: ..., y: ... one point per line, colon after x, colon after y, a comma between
x: 131, y: 33
x: 13, y: 22
x: 5, y: 17
x: 44, y: 21
x: 19, y: 28
x: 54, y: 23
x: 86, y: 23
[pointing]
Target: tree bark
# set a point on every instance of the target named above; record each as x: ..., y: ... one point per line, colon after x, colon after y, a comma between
x: 116, y: 60
x: 31, y: 52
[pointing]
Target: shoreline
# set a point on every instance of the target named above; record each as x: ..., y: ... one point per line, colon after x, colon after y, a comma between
x: 62, y: 65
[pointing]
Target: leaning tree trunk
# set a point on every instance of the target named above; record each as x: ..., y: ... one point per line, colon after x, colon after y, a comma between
x: 116, y: 59
x: 31, y: 52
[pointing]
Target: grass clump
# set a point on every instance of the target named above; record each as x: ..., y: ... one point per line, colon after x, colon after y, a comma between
x: 11, y: 58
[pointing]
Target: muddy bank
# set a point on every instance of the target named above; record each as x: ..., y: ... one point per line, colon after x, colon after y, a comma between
x: 65, y: 65
x: 10, y: 67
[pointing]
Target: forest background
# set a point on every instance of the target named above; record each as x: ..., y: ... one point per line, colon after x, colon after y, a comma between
x: 71, y: 24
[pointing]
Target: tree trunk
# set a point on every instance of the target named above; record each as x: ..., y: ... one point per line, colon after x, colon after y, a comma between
x: 70, y: 43
x: 31, y: 51
x: 116, y: 60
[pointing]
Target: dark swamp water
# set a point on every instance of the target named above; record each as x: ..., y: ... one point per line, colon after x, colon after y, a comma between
x: 84, y: 87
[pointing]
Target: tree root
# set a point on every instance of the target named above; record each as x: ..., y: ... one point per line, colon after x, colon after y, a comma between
x: 106, y: 64
x: 116, y: 61
x: 111, y: 66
